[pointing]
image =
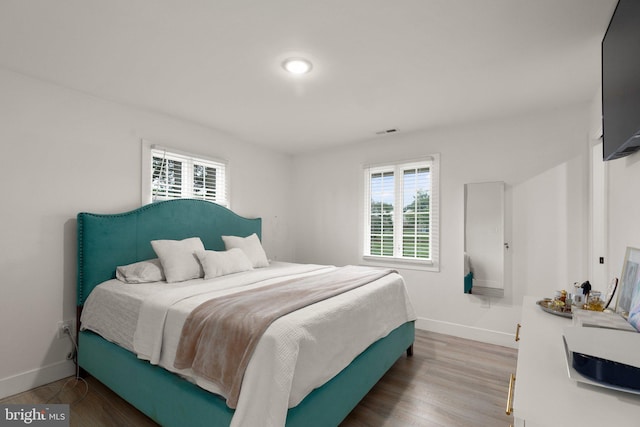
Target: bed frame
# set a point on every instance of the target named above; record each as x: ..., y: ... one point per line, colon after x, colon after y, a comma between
x: 106, y: 241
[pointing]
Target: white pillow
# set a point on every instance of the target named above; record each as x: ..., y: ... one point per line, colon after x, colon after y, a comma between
x: 141, y: 272
x: 178, y: 258
x: 251, y: 246
x: 221, y: 263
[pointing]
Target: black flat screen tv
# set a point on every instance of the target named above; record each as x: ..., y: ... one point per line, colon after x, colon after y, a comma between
x: 621, y: 82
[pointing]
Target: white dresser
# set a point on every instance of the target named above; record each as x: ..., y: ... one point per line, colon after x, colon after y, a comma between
x: 545, y: 396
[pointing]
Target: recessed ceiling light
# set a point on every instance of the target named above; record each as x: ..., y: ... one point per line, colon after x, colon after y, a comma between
x: 297, y: 65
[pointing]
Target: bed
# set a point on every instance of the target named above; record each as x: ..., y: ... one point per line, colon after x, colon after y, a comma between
x: 108, y: 241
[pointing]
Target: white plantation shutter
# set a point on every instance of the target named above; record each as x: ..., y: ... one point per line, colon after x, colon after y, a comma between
x: 401, y: 212
x: 176, y: 175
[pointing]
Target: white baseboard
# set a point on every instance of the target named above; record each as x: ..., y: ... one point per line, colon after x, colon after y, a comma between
x: 468, y: 332
x: 35, y: 378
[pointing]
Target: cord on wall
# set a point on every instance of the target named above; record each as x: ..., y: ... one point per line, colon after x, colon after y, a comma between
x: 74, y: 350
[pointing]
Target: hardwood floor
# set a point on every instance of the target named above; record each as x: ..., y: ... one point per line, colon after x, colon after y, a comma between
x: 448, y: 382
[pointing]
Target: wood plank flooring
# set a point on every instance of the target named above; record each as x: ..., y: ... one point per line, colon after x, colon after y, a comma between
x: 449, y: 382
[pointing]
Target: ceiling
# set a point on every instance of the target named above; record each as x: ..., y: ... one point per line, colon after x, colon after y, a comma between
x: 377, y: 64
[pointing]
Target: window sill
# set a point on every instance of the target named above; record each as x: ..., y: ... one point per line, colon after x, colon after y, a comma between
x: 400, y: 263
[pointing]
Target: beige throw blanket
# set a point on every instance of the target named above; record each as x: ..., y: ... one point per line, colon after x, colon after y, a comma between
x: 219, y: 336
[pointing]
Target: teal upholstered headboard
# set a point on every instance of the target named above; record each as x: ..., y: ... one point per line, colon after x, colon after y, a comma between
x: 107, y: 241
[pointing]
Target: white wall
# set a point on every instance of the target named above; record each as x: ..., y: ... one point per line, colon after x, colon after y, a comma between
x: 618, y: 219
x: 64, y: 152
x: 543, y: 159
x: 623, y: 176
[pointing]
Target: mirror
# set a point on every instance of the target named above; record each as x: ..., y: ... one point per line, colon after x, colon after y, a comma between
x: 484, y: 238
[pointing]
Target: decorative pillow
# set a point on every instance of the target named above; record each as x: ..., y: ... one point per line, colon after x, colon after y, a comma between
x: 221, y: 263
x: 178, y: 258
x: 251, y: 246
x: 141, y: 272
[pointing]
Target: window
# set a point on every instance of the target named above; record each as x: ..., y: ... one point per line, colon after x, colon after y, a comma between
x: 401, y: 212
x: 175, y: 175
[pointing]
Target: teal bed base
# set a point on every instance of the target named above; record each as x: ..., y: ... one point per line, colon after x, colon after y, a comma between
x: 106, y: 241
x: 173, y: 401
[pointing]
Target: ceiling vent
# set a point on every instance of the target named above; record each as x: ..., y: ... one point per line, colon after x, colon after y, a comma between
x: 384, y: 132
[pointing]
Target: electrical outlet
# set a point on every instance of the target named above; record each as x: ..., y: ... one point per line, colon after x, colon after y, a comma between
x: 66, y: 324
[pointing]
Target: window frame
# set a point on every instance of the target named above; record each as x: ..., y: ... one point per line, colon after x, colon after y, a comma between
x: 398, y: 168
x: 189, y: 160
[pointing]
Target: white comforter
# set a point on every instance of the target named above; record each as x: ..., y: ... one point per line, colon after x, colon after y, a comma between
x: 298, y: 352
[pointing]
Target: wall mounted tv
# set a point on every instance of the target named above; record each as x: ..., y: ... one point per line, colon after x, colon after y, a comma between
x: 621, y: 82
